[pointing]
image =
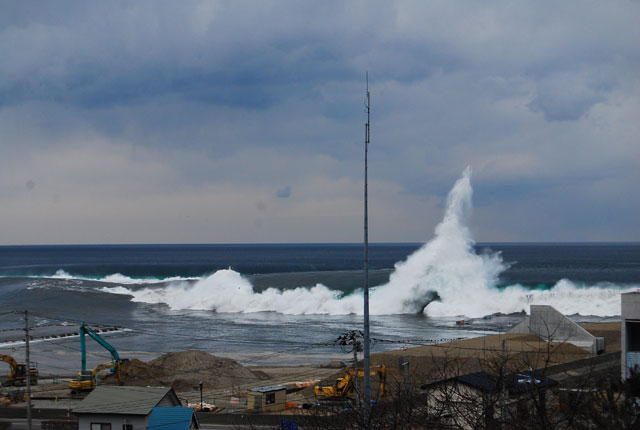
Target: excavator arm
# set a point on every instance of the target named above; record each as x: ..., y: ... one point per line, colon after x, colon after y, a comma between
x: 18, y: 373
x: 84, y: 329
x: 12, y: 363
x: 86, y: 380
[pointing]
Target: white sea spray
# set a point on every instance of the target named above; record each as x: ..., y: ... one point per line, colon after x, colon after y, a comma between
x: 465, y: 281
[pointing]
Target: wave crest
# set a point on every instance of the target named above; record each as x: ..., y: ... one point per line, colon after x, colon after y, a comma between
x: 447, y: 265
x: 118, y: 278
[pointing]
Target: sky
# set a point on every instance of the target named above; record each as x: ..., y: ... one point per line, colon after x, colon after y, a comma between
x: 243, y: 121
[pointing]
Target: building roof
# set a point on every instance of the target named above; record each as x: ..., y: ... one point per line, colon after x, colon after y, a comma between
x: 107, y: 399
x: 177, y: 418
x: 516, y: 383
x: 268, y: 388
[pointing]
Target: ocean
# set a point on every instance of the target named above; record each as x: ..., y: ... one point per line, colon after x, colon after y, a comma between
x: 287, y: 303
x: 268, y: 304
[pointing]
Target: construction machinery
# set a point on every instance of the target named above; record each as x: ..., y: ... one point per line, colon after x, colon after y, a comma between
x: 14, y: 396
x: 86, y: 380
x: 18, y: 373
x: 345, y: 386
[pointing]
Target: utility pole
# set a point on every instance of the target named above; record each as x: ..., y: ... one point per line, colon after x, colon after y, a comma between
x: 504, y: 391
x: 367, y: 361
x: 349, y: 343
x: 28, y: 365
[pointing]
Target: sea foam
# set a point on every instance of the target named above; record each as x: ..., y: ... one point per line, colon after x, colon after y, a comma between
x: 465, y: 282
x: 117, y: 278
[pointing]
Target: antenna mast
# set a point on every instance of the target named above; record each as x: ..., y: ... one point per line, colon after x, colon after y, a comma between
x: 367, y: 363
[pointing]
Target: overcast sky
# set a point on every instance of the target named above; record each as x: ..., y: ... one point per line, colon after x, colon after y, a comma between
x: 243, y: 122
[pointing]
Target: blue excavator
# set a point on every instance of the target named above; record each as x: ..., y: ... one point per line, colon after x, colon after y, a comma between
x: 86, y: 380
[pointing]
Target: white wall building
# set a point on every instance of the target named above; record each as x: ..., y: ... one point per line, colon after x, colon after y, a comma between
x: 630, y: 344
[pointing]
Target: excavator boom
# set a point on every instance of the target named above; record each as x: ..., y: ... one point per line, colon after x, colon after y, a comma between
x: 84, y: 329
x: 86, y: 380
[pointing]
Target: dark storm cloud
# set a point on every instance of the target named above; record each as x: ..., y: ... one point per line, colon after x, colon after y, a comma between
x: 106, y: 55
x: 568, y: 96
x: 248, y: 55
x: 210, y: 105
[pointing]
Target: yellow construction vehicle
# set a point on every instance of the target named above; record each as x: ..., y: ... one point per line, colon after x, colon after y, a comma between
x: 344, y: 386
x: 87, y: 380
x: 18, y: 373
x: 14, y: 396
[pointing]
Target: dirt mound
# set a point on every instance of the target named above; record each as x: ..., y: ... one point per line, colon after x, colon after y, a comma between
x: 333, y: 365
x: 184, y: 370
x: 135, y: 369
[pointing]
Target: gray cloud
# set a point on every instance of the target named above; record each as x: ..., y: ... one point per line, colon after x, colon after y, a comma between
x: 284, y: 193
x: 212, y: 106
x: 567, y: 96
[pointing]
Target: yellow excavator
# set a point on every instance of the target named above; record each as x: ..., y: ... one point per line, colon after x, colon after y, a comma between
x: 14, y: 396
x: 87, y: 380
x: 18, y: 373
x: 344, y: 386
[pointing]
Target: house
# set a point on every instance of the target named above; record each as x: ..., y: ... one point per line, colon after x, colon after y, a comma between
x: 176, y: 418
x: 630, y: 332
x: 480, y: 398
x: 270, y: 398
x: 121, y: 407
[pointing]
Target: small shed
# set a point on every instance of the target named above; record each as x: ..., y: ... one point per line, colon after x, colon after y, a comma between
x: 269, y: 398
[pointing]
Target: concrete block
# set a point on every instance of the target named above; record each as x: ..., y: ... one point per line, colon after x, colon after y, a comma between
x: 553, y: 326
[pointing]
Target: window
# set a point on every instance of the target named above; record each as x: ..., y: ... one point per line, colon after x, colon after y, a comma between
x: 633, y: 335
x: 270, y: 398
x: 100, y: 426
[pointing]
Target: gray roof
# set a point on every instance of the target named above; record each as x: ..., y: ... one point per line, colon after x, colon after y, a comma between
x: 107, y: 399
x: 516, y: 383
x: 268, y: 388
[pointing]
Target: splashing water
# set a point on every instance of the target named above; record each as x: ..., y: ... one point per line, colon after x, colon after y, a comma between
x: 465, y: 282
x: 447, y: 265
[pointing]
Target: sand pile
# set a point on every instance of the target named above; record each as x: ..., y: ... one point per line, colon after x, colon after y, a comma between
x: 184, y: 370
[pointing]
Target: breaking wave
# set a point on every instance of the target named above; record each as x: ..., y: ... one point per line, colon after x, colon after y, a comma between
x: 118, y: 278
x: 447, y: 267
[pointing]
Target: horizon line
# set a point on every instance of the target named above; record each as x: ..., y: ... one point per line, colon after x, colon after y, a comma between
x: 321, y: 243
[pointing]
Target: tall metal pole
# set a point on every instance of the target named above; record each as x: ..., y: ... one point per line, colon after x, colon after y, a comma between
x: 367, y: 364
x: 355, y: 371
x: 28, y: 365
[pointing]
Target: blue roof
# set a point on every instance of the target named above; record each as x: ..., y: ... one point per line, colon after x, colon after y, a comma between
x: 171, y: 418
